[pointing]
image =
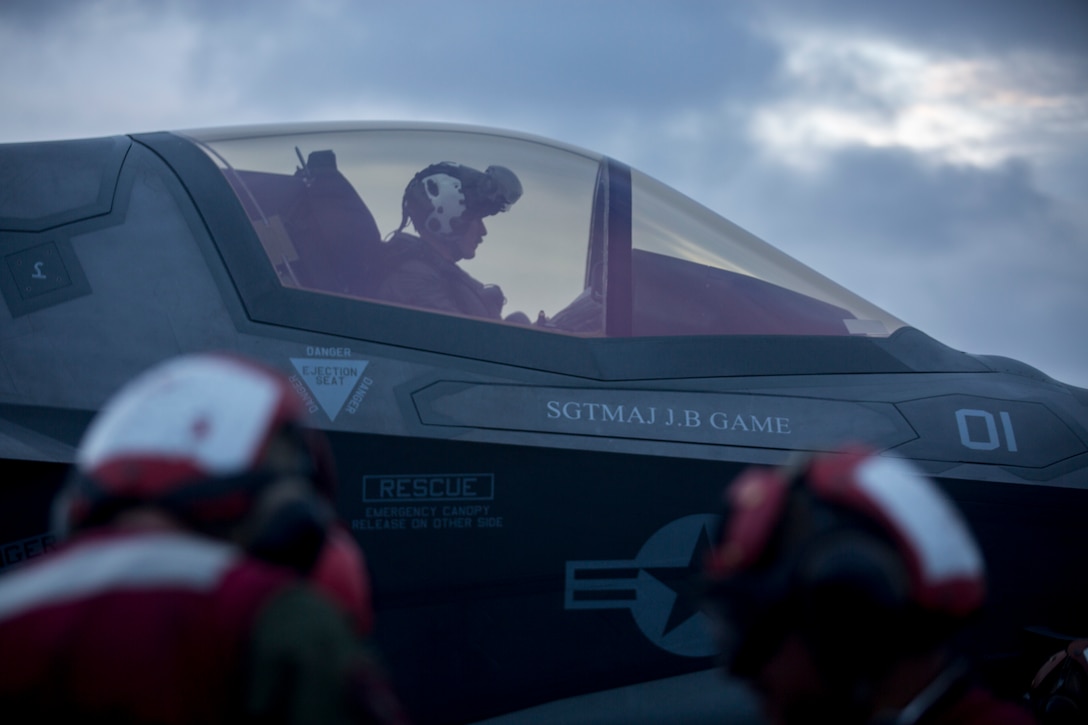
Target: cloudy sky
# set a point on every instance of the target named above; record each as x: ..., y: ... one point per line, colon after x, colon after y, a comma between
x: 931, y: 155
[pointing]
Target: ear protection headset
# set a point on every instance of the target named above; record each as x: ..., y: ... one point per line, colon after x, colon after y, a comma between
x: 281, y: 521
x: 1059, y: 690
x: 443, y: 197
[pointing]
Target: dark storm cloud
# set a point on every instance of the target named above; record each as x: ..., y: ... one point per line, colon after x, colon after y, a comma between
x: 981, y: 259
x: 957, y: 26
x: 549, y: 64
x: 870, y: 197
x: 554, y: 58
x: 31, y: 14
x: 798, y: 119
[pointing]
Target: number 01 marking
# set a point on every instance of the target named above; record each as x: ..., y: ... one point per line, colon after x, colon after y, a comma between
x: 993, y: 438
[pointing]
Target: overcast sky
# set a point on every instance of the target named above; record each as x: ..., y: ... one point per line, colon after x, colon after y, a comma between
x: 930, y: 155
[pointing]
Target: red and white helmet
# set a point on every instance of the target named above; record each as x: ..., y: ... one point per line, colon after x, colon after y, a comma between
x: 859, y: 550
x: 1059, y: 690
x: 190, y: 436
x: 442, y: 198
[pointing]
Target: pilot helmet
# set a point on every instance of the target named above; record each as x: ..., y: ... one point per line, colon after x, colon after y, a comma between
x: 860, y: 555
x: 443, y: 198
x: 219, y: 443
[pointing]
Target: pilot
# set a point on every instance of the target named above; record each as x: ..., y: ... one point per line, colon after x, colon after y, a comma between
x: 202, y: 576
x: 446, y: 203
x: 836, y: 588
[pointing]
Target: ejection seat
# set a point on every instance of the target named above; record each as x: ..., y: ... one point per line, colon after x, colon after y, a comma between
x: 317, y: 231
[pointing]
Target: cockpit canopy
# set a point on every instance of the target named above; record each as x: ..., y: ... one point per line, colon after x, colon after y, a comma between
x: 591, y: 248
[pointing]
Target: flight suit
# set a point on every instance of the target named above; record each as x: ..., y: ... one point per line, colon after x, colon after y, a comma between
x: 415, y: 274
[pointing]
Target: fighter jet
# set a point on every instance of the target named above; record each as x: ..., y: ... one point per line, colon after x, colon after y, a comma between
x: 535, y: 477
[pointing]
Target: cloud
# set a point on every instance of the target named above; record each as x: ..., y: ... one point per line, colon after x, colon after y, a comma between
x: 978, y: 258
x: 941, y: 185
x: 544, y: 64
x: 928, y: 155
x: 98, y: 63
x: 841, y: 91
x: 960, y: 27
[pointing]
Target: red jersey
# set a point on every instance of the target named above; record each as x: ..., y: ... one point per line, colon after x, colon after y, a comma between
x: 136, y: 625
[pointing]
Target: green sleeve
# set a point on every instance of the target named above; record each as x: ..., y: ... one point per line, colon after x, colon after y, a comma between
x: 306, y: 665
